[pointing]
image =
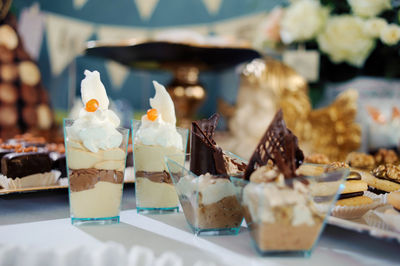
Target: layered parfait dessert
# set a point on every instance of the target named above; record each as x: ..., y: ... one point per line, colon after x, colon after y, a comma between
x: 96, y: 154
x: 207, y: 196
x: 155, y: 137
x: 279, y: 205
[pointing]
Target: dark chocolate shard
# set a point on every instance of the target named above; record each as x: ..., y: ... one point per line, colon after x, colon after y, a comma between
x: 280, y: 146
x: 351, y: 195
x: 206, y: 156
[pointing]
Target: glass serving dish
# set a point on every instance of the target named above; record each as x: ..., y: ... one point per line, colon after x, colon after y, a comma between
x: 155, y: 192
x: 210, y: 203
x: 95, y: 180
x: 288, y: 217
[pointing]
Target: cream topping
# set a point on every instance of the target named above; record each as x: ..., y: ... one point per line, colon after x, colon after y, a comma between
x: 96, y: 130
x: 261, y: 200
x: 162, y: 131
x: 212, y: 189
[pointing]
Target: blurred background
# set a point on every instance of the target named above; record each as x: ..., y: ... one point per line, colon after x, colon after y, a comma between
x: 327, y: 64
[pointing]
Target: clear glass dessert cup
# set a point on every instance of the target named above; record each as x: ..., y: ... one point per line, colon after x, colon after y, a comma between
x: 210, y: 204
x: 287, y: 218
x: 95, y: 180
x: 154, y: 190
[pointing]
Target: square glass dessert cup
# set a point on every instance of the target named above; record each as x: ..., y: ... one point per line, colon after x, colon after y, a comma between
x: 154, y: 190
x: 210, y: 203
x: 95, y: 180
x: 288, y: 217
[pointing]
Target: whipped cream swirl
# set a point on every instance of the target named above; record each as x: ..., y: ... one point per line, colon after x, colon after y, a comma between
x: 162, y: 131
x: 96, y: 130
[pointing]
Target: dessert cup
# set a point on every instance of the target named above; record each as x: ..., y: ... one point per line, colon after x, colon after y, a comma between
x: 287, y: 218
x: 209, y: 203
x: 155, y: 192
x: 95, y: 180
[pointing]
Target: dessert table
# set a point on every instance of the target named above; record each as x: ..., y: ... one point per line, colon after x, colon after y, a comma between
x: 42, y: 219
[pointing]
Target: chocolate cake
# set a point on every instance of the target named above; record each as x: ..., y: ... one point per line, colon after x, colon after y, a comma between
x: 22, y: 164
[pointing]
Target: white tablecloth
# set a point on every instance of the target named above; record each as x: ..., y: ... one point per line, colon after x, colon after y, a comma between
x: 170, y: 233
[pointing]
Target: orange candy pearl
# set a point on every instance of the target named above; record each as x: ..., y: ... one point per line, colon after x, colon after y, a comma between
x: 152, y: 114
x: 92, y: 105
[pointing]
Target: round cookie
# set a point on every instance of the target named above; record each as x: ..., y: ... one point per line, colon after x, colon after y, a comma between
x: 381, y: 184
x: 352, y: 186
x: 355, y: 201
x: 394, y: 199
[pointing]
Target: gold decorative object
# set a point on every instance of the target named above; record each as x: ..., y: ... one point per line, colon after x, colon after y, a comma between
x: 186, y: 92
x: 268, y: 85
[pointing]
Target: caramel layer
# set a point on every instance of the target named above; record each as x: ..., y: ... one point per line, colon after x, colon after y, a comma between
x: 225, y: 213
x: 282, y: 236
x: 84, y: 179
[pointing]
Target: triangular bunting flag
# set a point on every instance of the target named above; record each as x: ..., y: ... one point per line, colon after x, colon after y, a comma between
x: 109, y: 33
x: 117, y: 73
x: 78, y: 4
x: 213, y: 6
x: 31, y: 28
x: 146, y: 8
x: 66, y: 38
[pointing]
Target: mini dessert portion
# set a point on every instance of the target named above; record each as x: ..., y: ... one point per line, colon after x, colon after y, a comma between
x: 155, y: 138
x: 393, y: 199
x: 96, y: 154
x: 360, y: 161
x: 279, y: 205
x: 353, y: 192
x: 26, y: 167
x: 209, y: 202
x: 207, y: 196
x: 317, y: 158
x: 384, y: 156
x: 384, y: 179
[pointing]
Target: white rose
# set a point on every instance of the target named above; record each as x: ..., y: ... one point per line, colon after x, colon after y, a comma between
x: 390, y: 35
x: 369, y: 8
x: 302, y: 21
x: 374, y: 26
x: 344, y: 40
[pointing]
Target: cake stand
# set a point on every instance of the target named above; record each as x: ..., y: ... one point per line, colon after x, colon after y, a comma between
x: 184, y: 60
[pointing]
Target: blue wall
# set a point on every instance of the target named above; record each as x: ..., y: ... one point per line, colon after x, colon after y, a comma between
x: 137, y: 88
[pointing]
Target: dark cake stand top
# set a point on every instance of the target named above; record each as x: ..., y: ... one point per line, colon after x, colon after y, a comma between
x: 164, y: 54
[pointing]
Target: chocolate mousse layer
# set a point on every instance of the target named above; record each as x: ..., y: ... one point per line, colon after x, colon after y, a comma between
x: 84, y: 179
x: 159, y: 177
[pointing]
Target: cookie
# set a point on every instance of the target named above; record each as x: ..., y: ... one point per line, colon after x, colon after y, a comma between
x: 360, y: 160
x: 355, y: 201
x: 317, y: 158
x: 380, y: 184
x: 384, y: 156
x: 394, y: 199
x: 354, y: 186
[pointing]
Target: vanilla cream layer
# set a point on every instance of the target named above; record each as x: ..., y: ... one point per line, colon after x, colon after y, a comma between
x: 103, y: 200
x: 212, y: 189
x: 151, y: 158
x: 151, y: 194
x: 78, y: 157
